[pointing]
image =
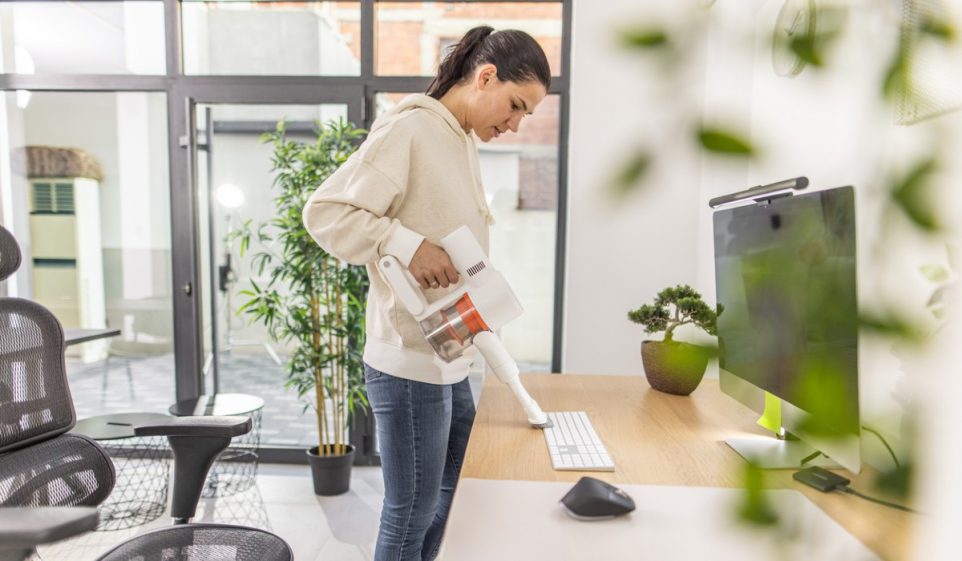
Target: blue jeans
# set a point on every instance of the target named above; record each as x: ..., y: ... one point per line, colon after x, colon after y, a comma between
x: 423, y: 431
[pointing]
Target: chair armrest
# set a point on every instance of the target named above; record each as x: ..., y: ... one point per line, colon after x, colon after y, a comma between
x: 27, y: 527
x: 197, y: 426
x: 196, y: 442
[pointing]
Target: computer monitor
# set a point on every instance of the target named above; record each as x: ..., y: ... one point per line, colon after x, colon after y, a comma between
x: 785, y: 274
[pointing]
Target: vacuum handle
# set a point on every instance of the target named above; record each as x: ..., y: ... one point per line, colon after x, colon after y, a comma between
x: 402, y: 282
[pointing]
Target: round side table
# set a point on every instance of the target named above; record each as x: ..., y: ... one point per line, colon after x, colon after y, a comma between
x: 141, y: 464
x: 234, y: 469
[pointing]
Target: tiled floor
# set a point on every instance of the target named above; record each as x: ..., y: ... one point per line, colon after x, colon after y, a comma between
x: 341, y: 528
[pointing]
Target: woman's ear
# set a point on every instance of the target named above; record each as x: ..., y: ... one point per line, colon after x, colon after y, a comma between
x: 485, y: 75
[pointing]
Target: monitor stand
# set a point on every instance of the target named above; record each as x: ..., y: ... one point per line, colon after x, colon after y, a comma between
x: 768, y: 452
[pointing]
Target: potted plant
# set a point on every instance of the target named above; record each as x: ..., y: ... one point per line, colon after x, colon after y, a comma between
x: 672, y: 366
x: 312, y: 301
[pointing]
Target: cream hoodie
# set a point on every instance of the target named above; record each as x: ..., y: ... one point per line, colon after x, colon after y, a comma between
x: 415, y: 177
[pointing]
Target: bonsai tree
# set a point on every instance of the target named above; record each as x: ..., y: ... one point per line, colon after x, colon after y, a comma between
x: 311, y: 298
x: 670, y: 366
x: 674, y: 307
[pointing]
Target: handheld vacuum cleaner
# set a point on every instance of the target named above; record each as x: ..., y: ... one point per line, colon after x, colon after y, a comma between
x: 482, y: 304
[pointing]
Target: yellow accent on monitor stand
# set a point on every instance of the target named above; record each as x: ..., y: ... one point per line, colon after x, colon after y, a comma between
x: 771, y: 418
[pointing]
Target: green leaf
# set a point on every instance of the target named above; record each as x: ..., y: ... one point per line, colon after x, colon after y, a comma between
x: 938, y: 28
x: 644, y: 38
x: 935, y: 273
x: 896, y: 80
x: 897, y: 480
x: 631, y: 173
x: 913, y: 195
x: 804, y: 46
x: 755, y: 508
x: 722, y: 142
x: 812, y: 45
x: 891, y: 325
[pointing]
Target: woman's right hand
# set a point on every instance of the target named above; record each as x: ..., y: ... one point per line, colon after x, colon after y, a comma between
x: 432, y: 267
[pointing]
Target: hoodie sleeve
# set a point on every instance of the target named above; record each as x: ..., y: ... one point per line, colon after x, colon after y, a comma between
x: 349, y: 214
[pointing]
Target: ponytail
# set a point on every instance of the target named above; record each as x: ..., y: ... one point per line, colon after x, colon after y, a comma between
x: 459, y: 61
x: 516, y: 55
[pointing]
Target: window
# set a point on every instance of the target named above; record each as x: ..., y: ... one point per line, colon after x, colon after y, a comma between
x: 412, y: 36
x: 83, y: 37
x: 291, y: 38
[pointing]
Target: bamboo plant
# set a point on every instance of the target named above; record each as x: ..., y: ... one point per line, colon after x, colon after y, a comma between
x: 311, y: 299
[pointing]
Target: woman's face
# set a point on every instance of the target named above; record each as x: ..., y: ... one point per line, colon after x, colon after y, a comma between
x: 499, y: 106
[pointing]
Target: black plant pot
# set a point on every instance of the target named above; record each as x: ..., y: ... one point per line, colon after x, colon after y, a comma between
x: 331, y: 474
x: 676, y: 368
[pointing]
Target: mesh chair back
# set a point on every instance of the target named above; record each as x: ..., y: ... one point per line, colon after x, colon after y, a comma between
x: 35, y: 401
x: 203, y: 542
x: 9, y: 254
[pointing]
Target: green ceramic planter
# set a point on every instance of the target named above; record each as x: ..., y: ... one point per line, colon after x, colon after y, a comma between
x: 675, y: 368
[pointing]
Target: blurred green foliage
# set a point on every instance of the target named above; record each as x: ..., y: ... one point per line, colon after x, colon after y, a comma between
x: 755, y: 508
x: 913, y: 194
x: 891, y: 324
x: 898, y: 84
x: 814, y: 43
x: 644, y: 38
x: 630, y: 173
x: 724, y: 142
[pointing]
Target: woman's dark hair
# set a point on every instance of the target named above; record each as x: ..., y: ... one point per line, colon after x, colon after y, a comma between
x: 516, y: 54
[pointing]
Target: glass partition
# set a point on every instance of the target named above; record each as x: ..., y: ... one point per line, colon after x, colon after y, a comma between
x: 85, y: 191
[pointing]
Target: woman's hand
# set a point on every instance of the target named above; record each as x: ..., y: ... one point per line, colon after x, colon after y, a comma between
x: 432, y: 266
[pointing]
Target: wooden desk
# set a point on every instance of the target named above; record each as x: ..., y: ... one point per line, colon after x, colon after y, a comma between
x: 656, y: 439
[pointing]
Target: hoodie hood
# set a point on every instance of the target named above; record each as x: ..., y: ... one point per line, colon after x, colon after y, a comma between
x: 435, y: 107
x: 422, y: 101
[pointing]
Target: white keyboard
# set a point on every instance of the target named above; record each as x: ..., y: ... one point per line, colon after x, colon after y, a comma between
x: 574, y: 445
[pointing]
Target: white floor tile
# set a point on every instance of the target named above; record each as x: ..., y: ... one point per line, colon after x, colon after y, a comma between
x: 341, y: 528
x: 335, y: 550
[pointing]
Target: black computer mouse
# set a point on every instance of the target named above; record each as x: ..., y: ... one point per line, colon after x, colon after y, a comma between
x: 594, y: 499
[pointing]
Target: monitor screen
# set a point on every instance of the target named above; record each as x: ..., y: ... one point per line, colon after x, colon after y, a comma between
x: 785, y: 274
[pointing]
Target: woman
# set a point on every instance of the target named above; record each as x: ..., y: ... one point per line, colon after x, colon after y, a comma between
x: 413, y: 181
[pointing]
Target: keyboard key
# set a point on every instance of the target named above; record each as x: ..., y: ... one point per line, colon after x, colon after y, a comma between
x: 574, y: 444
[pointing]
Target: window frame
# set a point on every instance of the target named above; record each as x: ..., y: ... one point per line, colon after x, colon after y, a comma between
x: 184, y: 91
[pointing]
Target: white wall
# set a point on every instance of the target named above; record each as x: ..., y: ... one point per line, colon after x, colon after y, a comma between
x: 620, y: 253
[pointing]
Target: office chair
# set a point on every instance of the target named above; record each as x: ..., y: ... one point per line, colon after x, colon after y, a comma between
x: 42, y: 466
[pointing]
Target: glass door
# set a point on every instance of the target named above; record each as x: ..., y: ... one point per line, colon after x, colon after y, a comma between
x: 233, y: 186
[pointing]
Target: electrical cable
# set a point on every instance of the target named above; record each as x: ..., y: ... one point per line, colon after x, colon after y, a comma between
x: 850, y: 491
x: 884, y: 443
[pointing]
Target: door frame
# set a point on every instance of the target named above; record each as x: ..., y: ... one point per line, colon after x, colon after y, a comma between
x: 189, y: 339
